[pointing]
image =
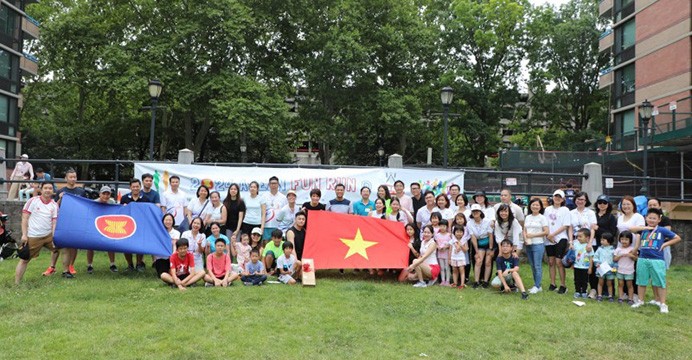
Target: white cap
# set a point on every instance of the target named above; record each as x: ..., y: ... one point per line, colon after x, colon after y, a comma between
x: 559, y: 192
x: 475, y: 207
x: 25, y: 156
x: 256, y: 231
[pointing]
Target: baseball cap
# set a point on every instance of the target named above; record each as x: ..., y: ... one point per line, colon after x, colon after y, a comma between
x: 560, y: 193
x: 603, y: 198
x: 25, y: 156
x: 475, y: 207
x: 291, y: 192
x: 105, y: 188
x: 256, y: 231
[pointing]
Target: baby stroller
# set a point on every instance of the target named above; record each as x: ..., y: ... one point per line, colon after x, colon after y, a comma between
x: 8, y: 247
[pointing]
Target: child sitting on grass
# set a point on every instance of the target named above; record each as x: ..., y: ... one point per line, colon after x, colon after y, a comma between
x: 457, y: 258
x: 272, y: 251
x: 604, y: 255
x: 508, y: 271
x: 583, y: 262
x: 182, y: 272
x: 651, y: 266
x: 254, y: 272
x: 625, y: 257
x: 219, y: 271
x: 288, y: 266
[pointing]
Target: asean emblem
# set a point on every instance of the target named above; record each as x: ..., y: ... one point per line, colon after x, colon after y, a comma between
x: 116, y: 227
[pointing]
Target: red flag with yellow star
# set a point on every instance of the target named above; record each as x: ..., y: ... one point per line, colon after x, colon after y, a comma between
x: 340, y: 241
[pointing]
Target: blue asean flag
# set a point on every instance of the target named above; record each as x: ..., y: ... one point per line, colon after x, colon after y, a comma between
x: 135, y: 228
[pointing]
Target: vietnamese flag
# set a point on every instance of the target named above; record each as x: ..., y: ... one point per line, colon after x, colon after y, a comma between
x: 340, y: 241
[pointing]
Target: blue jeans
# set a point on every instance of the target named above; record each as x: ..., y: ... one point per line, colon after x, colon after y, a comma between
x: 534, y: 253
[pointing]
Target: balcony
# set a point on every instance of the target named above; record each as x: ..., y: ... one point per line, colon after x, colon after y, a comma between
x: 30, y: 27
x: 29, y: 64
x: 605, y: 78
x: 605, y: 42
x: 605, y: 8
x: 673, y: 128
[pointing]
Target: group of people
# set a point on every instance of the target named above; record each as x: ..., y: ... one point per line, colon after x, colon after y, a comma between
x: 450, y: 237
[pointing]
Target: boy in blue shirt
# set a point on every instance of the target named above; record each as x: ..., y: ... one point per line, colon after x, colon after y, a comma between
x: 508, y: 270
x: 651, y: 266
x: 254, y: 273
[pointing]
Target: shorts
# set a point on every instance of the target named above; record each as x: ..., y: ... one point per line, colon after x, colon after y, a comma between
x: 183, y: 276
x: 434, y: 271
x: 496, y: 283
x: 457, y: 263
x: 37, y: 243
x: 620, y: 276
x: 162, y: 266
x: 652, y: 270
x: 285, y: 278
x: 557, y: 250
x: 267, y: 235
x: 608, y: 276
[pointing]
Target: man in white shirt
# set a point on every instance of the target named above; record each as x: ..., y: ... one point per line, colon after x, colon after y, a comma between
x: 506, y: 198
x: 275, y: 202
x: 423, y: 215
x: 39, y: 217
x: 174, y: 201
x: 21, y: 168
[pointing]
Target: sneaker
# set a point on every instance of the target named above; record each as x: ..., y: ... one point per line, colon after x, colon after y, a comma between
x: 461, y: 287
x: 524, y: 296
x: 533, y: 290
x: 635, y: 298
x: 664, y: 309
x: 630, y: 302
x: 67, y: 275
x: 592, y: 294
x: 611, y: 299
x: 140, y: 267
x: 637, y: 304
x: 552, y: 287
x: 432, y: 282
x: 620, y: 301
x: 485, y: 284
x: 247, y: 283
x: 114, y: 268
x: 584, y: 295
x: 90, y: 269
x: 50, y: 271
x: 71, y: 269
x: 206, y: 284
x: 420, y: 284
x: 577, y: 295
x: 654, y: 302
x: 475, y: 285
x: 130, y: 268
x: 599, y: 298
x: 562, y: 290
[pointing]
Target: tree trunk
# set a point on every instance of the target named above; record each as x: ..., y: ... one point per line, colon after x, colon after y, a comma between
x: 188, y: 130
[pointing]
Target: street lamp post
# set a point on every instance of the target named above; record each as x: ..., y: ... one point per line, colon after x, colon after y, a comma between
x: 446, y: 95
x: 645, y: 114
x: 155, y: 88
x: 380, y: 152
x: 243, y: 152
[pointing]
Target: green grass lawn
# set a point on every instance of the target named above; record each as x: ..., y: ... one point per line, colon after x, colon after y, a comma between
x: 350, y: 316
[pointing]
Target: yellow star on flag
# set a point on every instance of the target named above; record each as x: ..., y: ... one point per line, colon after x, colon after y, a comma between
x: 115, y: 227
x: 357, y: 245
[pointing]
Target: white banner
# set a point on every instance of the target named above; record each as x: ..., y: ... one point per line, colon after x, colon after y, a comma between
x: 301, y: 180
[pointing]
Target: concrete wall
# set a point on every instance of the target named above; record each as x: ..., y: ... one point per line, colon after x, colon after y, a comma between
x: 14, y: 210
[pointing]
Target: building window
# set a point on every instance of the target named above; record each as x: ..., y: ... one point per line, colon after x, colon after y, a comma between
x: 9, y: 71
x: 623, y: 9
x: 8, y: 21
x: 10, y: 149
x: 624, y: 42
x: 623, y: 91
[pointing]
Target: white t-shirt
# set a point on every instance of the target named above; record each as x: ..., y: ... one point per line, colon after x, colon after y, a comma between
x: 198, y: 208
x: 41, y: 216
x: 253, y: 209
x: 403, y: 216
x: 582, y: 220
x: 534, y: 224
x: 286, y: 263
x: 286, y: 217
x: 635, y: 220
x: 432, y: 259
x: 423, y: 215
x: 458, y: 255
x: 557, y: 218
x: 481, y: 230
x: 513, y: 234
x: 274, y: 204
x: 199, y: 257
x: 448, y: 214
x: 175, y: 204
x: 214, y: 212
